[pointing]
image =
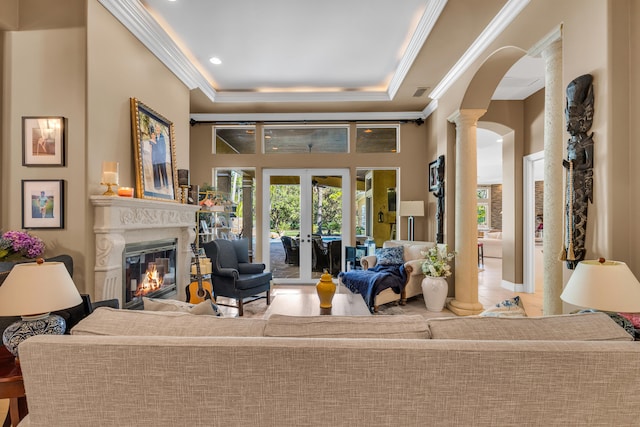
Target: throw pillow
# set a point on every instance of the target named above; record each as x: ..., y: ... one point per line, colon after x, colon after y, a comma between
x: 205, y: 307
x: 389, y: 256
x: 508, y: 308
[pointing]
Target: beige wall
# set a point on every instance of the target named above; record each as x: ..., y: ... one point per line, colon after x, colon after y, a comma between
x: 631, y: 188
x: 87, y: 74
x: 601, y: 50
x: 412, y: 158
x: 48, y: 81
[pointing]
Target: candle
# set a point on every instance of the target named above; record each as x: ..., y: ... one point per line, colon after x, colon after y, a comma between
x: 110, y: 173
x: 183, y: 177
x: 125, y: 191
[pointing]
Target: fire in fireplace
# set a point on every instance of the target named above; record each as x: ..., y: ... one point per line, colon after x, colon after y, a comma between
x: 149, y: 271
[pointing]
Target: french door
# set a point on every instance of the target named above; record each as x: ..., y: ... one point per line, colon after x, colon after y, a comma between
x: 307, y: 213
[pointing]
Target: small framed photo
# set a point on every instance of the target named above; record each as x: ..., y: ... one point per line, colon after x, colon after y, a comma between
x: 433, y: 176
x: 43, y: 141
x: 154, y: 153
x: 42, y: 203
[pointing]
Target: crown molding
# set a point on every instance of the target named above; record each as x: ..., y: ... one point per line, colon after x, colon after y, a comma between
x: 345, y: 96
x: 301, y: 117
x: 426, y: 24
x: 497, y: 25
x: 133, y: 15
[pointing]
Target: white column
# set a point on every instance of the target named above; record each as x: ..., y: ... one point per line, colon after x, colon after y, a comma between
x: 553, y: 178
x: 466, y: 301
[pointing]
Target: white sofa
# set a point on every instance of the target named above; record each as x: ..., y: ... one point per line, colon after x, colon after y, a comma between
x: 492, y: 244
x: 413, y: 258
x: 136, y: 368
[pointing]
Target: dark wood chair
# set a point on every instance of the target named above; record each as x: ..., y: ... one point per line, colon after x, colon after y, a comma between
x: 291, y: 250
x: 233, y: 276
x: 320, y: 255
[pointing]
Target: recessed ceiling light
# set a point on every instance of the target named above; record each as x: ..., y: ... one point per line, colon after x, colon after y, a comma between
x: 215, y: 60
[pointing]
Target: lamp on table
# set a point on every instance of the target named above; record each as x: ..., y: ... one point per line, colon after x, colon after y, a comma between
x: 603, y: 285
x: 33, y: 291
x: 411, y: 209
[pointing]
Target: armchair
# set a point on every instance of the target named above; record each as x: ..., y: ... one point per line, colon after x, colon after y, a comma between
x: 291, y: 250
x: 233, y: 276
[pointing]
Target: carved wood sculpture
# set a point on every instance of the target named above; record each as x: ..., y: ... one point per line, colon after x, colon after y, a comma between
x: 439, y: 193
x: 579, y: 168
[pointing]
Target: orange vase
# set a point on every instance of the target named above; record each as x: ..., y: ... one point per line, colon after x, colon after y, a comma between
x: 326, y: 289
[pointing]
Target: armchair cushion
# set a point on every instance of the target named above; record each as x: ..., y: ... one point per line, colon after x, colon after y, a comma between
x: 390, y: 256
x: 227, y: 257
x: 242, y: 249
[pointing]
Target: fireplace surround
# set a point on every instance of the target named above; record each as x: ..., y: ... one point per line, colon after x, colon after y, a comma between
x: 122, y: 221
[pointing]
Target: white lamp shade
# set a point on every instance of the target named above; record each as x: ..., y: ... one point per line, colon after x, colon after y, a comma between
x: 33, y: 288
x: 412, y: 208
x: 606, y: 286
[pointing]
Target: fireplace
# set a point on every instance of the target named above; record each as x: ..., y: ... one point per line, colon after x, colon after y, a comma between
x: 123, y: 225
x: 149, y: 270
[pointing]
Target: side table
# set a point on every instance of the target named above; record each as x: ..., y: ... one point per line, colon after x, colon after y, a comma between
x: 12, y: 388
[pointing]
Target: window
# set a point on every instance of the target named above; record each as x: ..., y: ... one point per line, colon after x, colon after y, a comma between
x: 483, y: 207
x: 234, y: 140
x: 306, y: 139
x: 377, y: 138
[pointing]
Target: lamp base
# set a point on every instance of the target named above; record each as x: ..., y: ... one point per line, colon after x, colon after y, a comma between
x: 41, y: 324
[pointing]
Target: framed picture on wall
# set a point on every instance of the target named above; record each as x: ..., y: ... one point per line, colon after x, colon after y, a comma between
x: 43, y: 141
x: 154, y: 153
x: 42, y: 203
x: 433, y: 176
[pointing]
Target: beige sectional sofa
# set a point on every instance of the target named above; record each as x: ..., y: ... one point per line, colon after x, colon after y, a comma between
x: 492, y: 244
x: 413, y: 266
x: 136, y: 368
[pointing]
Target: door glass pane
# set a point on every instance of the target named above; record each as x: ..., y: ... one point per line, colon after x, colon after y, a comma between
x: 284, y: 247
x: 327, y: 225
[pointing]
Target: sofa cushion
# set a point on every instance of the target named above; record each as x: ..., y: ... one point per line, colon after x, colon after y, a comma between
x: 109, y: 321
x: 403, y: 326
x: 390, y: 256
x: 565, y: 327
x: 159, y: 304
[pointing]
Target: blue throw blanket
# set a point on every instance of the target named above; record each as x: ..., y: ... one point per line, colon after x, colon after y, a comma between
x: 371, y: 282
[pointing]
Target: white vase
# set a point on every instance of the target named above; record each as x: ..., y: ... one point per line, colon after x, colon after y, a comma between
x: 434, y: 291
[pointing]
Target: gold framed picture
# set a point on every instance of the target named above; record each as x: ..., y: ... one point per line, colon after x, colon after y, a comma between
x: 154, y: 153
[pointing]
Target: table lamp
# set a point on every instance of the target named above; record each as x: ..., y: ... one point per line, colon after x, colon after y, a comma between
x: 603, y: 285
x: 33, y: 291
x: 411, y: 209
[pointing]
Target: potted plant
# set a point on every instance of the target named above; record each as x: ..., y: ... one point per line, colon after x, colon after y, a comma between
x: 436, y: 269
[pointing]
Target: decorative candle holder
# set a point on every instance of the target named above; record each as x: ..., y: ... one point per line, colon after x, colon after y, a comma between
x: 109, y: 191
x: 109, y: 177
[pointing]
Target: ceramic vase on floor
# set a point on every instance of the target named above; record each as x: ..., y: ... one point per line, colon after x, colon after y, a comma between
x: 434, y: 291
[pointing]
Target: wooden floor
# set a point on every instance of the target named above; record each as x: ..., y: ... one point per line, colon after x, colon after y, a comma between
x: 490, y: 290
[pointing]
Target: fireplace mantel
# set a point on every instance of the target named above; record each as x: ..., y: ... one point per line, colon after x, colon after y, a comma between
x: 122, y: 220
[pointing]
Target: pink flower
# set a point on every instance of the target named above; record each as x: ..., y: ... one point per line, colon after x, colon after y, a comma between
x: 20, y: 244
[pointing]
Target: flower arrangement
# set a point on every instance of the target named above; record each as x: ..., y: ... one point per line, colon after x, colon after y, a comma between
x: 436, y: 263
x: 19, y: 244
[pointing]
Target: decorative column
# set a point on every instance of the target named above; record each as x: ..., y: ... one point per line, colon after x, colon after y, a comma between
x: 553, y: 178
x: 466, y: 301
